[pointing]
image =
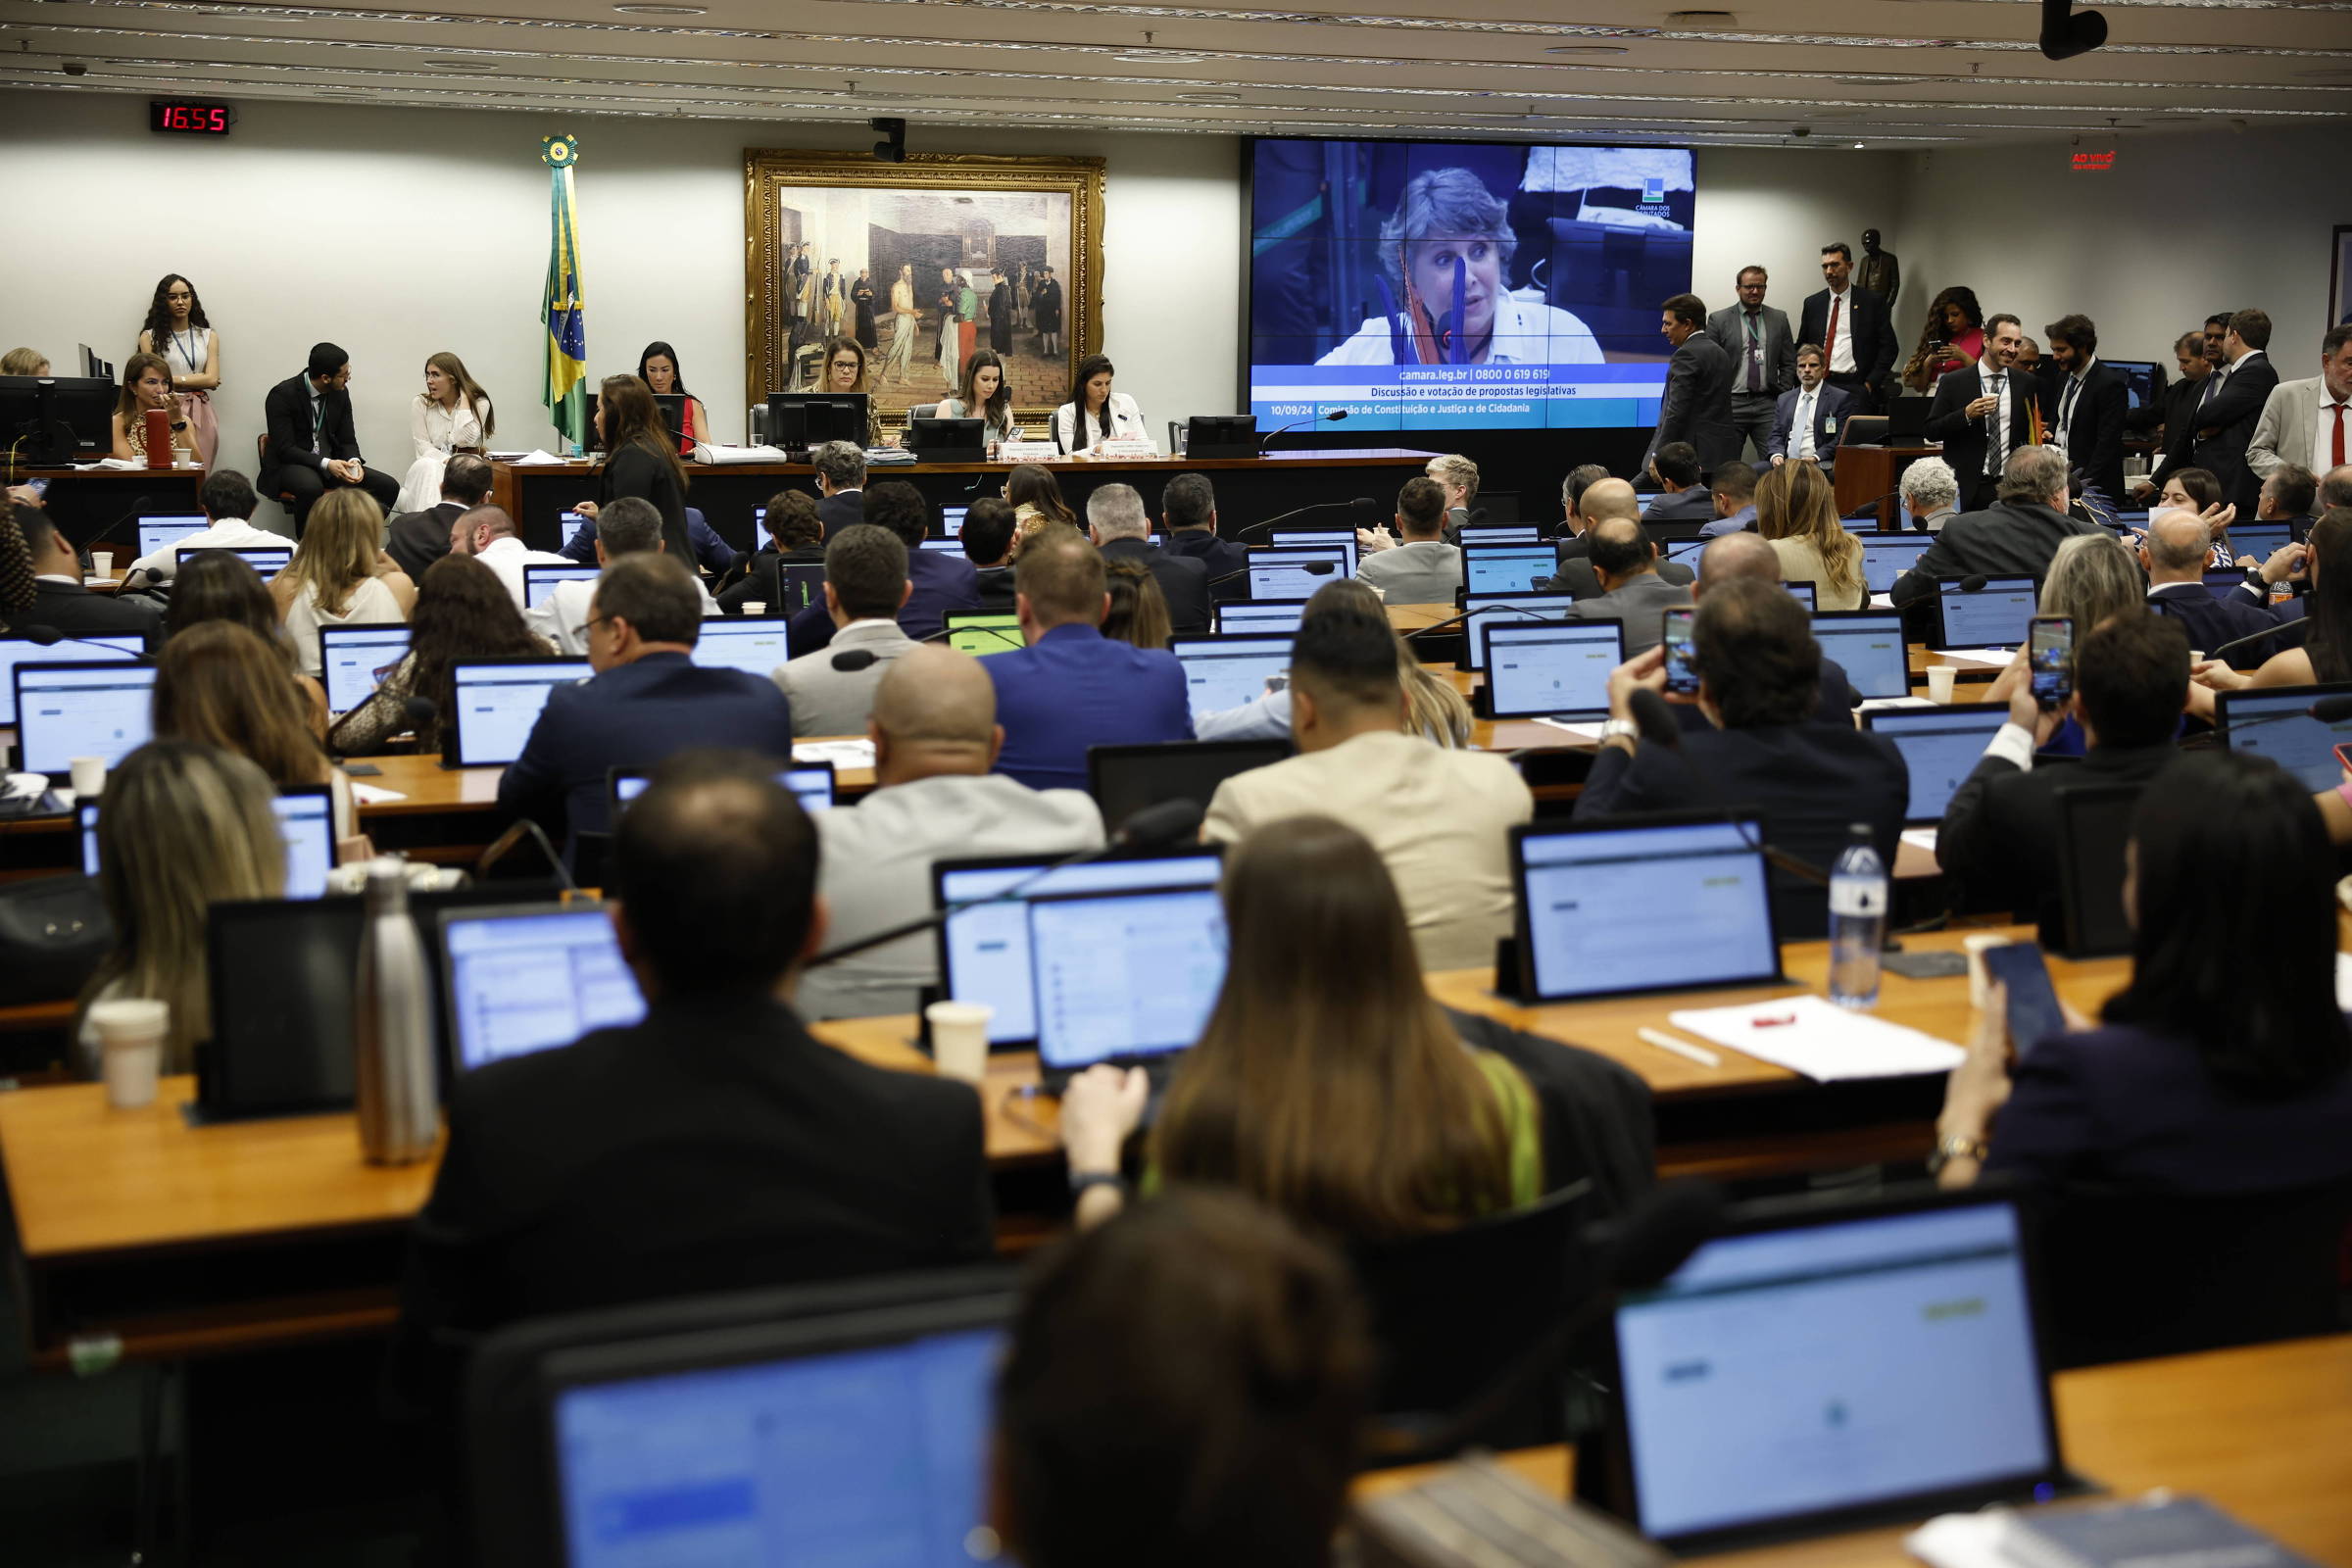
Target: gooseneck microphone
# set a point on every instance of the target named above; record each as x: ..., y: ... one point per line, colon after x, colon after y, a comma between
x: 1359, y: 504
x: 1332, y: 418
x: 50, y: 637
x: 1313, y: 569
x: 2296, y: 627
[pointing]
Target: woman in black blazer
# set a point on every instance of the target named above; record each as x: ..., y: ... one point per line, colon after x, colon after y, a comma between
x: 2224, y: 1067
x: 642, y: 463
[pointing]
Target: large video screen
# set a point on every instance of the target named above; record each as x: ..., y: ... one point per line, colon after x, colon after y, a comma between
x: 1559, y: 258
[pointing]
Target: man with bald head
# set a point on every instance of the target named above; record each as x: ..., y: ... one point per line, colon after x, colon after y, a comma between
x: 936, y: 739
x: 1604, y: 501
x: 2173, y: 552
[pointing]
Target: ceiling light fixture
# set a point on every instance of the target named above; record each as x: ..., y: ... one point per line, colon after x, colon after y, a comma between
x: 635, y: 10
x: 1586, y: 49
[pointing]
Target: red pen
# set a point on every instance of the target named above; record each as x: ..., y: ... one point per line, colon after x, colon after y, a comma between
x: 1771, y: 1023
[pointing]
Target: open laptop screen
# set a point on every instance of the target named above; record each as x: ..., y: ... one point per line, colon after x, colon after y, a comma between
x: 306, y: 819
x: 568, y: 528
x: 1269, y: 616
x: 1296, y: 538
x: 1485, y: 608
x: 1667, y: 904
x: 162, y: 534
x: 753, y: 644
x: 1124, y: 976
x: 1221, y: 674
x: 356, y: 659
x: 1940, y: 746
x: 810, y: 784
x: 1506, y: 568
x: 985, y: 634
x: 1292, y: 573
x: 2304, y: 746
x: 1539, y: 669
x: 539, y: 580
x: 498, y: 701
x: 263, y: 558
x: 1996, y: 615
x: 1868, y: 648
x: 1500, y: 533
x: 15, y: 651
x: 532, y: 977
x: 1886, y: 556
x: 1796, y: 1372
x: 96, y: 709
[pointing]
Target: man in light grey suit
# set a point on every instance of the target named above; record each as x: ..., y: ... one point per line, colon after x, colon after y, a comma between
x: 2300, y: 419
x: 935, y: 736
x: 1632, y: 591
x: 832, y: 689
x: 1763, y: 353
x: 1424, y: 569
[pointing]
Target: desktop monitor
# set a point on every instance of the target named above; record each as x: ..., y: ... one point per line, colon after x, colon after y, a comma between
x: 1262, y: 616
x: 1124, y: 779
x: 1500, y: 533
x: 92, y: 366
x: 498, y: 701
x: 937, y: 440
x: 2143, y: 381
x: 306, y: 820
x: 2261, y: 540
x: 671, y: 407
x: 568, y: 528
x: 266, y: 560
x: 1887, y: 556
x: 2094, y: 821
x: 951, y: 521
x: 984, y: 952
x: 57, y: 418
x: 1222, y: 673
x: 529, y: 977
x: 1676, y: 901
x: 15, y: 651
x: 1825, y: 1365
x: 1996, y: 615
x: 798, y: 419
x: 2302, y: 745
x: 1125, y: 977
x: 1299, y: 536
x: 87, y: 708
x: 810, y: 784
x: 1483, y: 609
x: 1296, y: 573
x: 1868, y: 645
x: 158, y: 534
x: 992, y: 632
x: 802, y: 583
x: 354, y: 660
x: 1545, y: 669
x: 1508, y: 569
x: 753, y: 644
x: 539, y: 581
x: 1940, y: 746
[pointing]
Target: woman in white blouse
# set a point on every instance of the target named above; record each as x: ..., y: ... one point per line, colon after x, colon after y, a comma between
x: 176, y: 330
x: 450, y: 415
x: 339, y: 576
x: 1095, y: 413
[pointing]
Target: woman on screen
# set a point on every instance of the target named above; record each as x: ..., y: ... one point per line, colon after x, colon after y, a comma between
x: 451, y: 415
x: 1448, y: 222
x: 657, y: 368
x: 984, y: 395
x: 1095, y: 413
x: 463, y: 611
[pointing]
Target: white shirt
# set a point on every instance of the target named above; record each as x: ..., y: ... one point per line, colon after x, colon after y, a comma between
x: 231, y: 533
x: 1802, y: 446
x: 563, y: 617
x: 1126, y: 418
x: 2323, y: 431
x: 2066, y: 401
x: 1996, y: 383
x: 1526, y: 332
x: 1841, y: 343
x: 509, y: 555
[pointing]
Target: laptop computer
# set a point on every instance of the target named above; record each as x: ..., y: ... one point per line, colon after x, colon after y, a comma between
x: 1124, y: 779
x: 993, y: 632
x: 753, y: 644
x: 1997, y: 615
x: 266, y: 560
x: 1297, y: 537
x: 2095, y: 822
x: 498, y: 701
x: 1266, y: 617
x: 1296, y: 573
x: 1907, y: 421
x: 1226, y: 672
x: 2304, y: 746
x: 1805, y: 594
x: 1548, y: 669
x: 528, y: 977
x: 1505, y: 607
x: 306, y: 819
x: 1637, y: 905
x: 354, y: 660
x: 539, y: 580
x: 2221, y: 584
x: 15, y: 651
x: 1868, y: 645
x: 1823, y: 1366
x: 162, y: 534
x: 1508, y: 568
x: 1940, y: 746
x: 810, y: 784
x: 1122, y: 977
x: 86, y: 708
x: 2261, y: 540
x: 942, y: 546
x: 951, y: 521
x: 1887, y: 556
x: 1500, y: 533
x: 568, y: 528
x: 984, y: 952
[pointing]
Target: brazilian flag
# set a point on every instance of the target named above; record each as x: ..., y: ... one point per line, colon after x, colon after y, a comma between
x: 561, y: 307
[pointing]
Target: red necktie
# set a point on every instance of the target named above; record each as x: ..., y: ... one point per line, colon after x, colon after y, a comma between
x: 1828, y: 347
x: 2338, y: 459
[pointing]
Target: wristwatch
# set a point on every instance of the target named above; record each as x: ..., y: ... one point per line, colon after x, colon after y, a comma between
x: 1955, y: 1145
x: 1619, y: 729
x: 1082, y: 1180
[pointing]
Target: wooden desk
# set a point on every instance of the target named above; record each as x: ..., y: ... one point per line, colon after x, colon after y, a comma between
x: 2264, y: 1433
x: 1870, y: 473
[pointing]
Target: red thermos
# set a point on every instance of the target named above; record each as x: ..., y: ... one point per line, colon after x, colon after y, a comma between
x: 159, y: 438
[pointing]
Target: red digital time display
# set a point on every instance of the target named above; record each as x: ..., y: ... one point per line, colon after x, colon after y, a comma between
x: 176, y: 117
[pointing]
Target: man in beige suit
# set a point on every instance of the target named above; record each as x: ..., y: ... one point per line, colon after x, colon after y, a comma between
x: 2301, y: 420
x: 1440, y: 819
x: 832, y: 690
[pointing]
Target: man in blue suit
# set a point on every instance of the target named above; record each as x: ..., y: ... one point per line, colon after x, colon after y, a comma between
x: 1071, y: 687
x: 647, y: 699
x: 1808, y: 420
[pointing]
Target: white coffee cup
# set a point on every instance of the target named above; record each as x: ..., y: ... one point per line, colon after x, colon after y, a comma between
x: 959, y: 1037
x: 130, y: 1033
x: 102, y: 562
x: 753, y: 607
x: 1940, y: 681
x: 1979, y: 982
x: 89, y: 776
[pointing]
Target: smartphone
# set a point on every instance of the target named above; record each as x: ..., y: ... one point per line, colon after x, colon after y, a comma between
x: 2050, y: 659
x: 1682, y: 678
x: 2034, y: 1012
x: 38, y: 487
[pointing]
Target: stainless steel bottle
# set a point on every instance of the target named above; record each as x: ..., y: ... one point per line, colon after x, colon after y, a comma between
x: 400, y: 1114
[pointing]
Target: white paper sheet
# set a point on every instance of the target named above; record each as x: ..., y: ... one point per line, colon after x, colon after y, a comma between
x: 1923, y: 837
x: 1581, y: 731
x: 841, y: 754
x: 374, y: 794
x: 1979, y: 655
x: 1815, y: 1037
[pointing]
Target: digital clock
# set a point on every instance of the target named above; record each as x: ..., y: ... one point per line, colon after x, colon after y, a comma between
x: 178, y: 117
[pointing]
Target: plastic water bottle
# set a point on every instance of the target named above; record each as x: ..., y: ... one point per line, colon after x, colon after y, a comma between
x: 399, y: 1112
x: 1858, y: 921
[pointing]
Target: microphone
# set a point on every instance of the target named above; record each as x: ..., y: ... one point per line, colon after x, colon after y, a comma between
x: 1313, y: 569
x: 849, y: 661
x: 1656, y: 721
x: 1332, y: 418
x: 138, y: 505
x: 2300, y: 624
x: 1482, y: 609
x: 1872, y: 507
x: 524, y: 828
x: 1147, y: 828
x: 1359, y: 504
x: 50, y: 637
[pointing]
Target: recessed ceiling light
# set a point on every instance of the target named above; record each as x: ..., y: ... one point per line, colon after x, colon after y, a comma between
x: 1210, y: 97
x: 1160, y: 57
x: 662, y: 11
x: 1857, y: 146
x: 1584, y: 49
x: 461, y: 64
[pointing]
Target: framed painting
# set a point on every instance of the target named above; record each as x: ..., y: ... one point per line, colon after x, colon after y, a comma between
x: 922, y: 263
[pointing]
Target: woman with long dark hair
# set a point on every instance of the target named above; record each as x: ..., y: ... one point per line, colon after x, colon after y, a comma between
x: 1037, y: 503
x: 1953, y: 336
x: 1095, y: 413
x: 463, y: 611
x: 986, y: 396
x: 639, y: 460
x: 177, y: 328
x: 147, y: 385
x: 657, y: 368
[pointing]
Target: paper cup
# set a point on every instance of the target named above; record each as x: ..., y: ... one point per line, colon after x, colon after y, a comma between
x: 1940, y: 681
x: 130, y: 1043
x: 89, y: 776
x: 102, y: 562
x: 959, y: 1037
x: 1980, y: 983
x: 753, y: 607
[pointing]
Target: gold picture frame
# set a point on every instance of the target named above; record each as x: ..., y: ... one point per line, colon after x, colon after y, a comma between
x: 1021, y: 215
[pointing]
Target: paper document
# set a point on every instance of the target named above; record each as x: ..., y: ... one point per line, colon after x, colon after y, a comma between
x: 373, y: 794
x: 841, y: 754
x: 1923, y: 837
x: 1962, y: 1541
x: 713, y: 452
x: 1814, y: 1036
x: 1979, y: 655
x: 535, y: 459
x: 1870, y: 703
x: 1583, y: 732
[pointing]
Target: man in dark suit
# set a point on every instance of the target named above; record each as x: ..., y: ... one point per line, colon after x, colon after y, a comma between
x: 2181, y: 399
x: 1188, y: 510
x: 1698, y: 402
x: 1854, y: 327
x: 1807, y: 422
x: 1686, y: 499
x: 1999, y: 838
x: 840, y: 484
x: 1985, y: 412
x: 2173, y: 552
x: 1574, y: 540
x: 1763, y: 353
x: 2015, y: 537
x: 312, y: 444
x: 2083, y: 404
x: 1759, y: 673
x: 2230, y: 406
x: 415, y: 540
x: 647, y: 699
x: 988, y: 527
x: 714, y: 1146
x: 944, y: 584
x: 1122, y: 530
x: 1605, y: 500
x: 1748, y: 555
x: 1071, y: 688
x: 61, y: 602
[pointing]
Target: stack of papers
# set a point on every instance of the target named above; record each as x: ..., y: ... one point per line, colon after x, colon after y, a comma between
x: 842, y: 754
x: 537, y: 458
x: 713, y: 452
x: 1815, y: 1037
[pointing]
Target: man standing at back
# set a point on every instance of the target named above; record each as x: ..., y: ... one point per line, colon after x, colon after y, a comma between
x: 832, y: 690
x: 2230, y: 406
x: 1071, y: 688
x: 934, y: 739
x: 2308, y: 425
x: 1440, y: 819
x: 1423, y: 569
x: 1696, y: 406
x: 415, y: 540
x: 1854, y: 327
x: 2083, y: 405
x: 1762, y: 351
x: 1122, y: 531
x: 1983, y: 413
x: 1631, y: 593
x: 714, y: 1146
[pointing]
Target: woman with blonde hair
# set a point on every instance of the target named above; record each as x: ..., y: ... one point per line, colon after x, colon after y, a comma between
x: 1139, y: 611
x: 1797, y: 511
x: 451, y: 415
x: 219, y: 684
x: 147, y: 385
x: 339, y: 575
x: 1433, y: 708
x: 1327, y: 1083
x: 23, y: 362
x: 181, y: 826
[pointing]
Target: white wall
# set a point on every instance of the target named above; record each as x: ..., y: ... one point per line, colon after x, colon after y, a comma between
x: 1775, y: 209
x: 400, y: 232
